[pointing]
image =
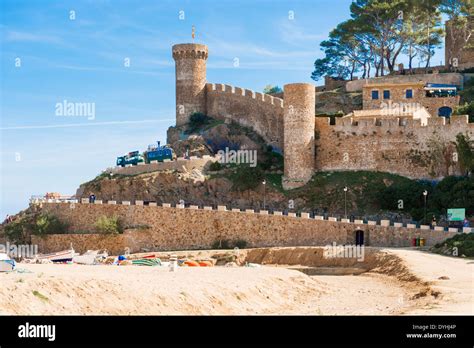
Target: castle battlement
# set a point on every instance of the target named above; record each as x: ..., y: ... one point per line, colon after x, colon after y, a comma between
x: 190, y: 51
x: 405, y: 122
x: 243, y: 92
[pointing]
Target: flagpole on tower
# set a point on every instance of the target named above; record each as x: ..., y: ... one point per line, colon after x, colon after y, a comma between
x: 193, y: 32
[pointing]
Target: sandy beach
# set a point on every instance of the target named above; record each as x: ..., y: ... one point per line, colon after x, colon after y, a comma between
x: 413, y: 287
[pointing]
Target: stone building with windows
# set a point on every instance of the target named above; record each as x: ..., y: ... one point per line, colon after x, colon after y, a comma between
x: 419, y: 100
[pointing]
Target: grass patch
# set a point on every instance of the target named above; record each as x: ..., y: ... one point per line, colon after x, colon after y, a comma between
x: 40, y: 296
x: 326, y: 189
x: 274, y: 181
x: 109, y: 225
x: 460, y: 245
x: 213, y: 123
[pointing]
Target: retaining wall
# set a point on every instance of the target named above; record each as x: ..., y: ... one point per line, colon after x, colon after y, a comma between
x: 180, y: 165
x: 179, y: 228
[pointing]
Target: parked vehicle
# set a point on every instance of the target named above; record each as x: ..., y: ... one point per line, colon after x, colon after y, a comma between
x: 158, y: 153
x: 132, y: 158
x: 153, y: 153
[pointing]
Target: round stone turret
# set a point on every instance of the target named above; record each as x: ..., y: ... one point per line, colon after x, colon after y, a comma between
x: 190, y: 62
x: 298, y: 134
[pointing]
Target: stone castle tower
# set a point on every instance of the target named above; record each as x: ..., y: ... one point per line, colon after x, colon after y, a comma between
x: 288, y: 124
x: 190, y: 80
x: 298, y: 134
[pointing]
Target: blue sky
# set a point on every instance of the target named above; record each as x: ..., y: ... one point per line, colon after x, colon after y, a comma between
x: 82, y: 60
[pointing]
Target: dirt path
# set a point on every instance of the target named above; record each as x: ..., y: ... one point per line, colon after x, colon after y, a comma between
x: 453, y: 277
x: 366, y: 294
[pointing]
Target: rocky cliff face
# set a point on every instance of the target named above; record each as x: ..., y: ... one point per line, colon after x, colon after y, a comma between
x: 212, y: 138
x: 196, y: 187
x: 170, y: 187
x: 335, y: 101
x: 332, y: 102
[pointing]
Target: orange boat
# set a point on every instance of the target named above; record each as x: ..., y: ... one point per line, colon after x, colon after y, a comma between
x: 191, y: 263
x: 206, y: 264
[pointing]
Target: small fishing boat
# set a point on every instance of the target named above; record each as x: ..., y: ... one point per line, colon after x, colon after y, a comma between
x: 6, y: 264
x: 61, y: 256
x: 90, y: 257
x: 147, y: 262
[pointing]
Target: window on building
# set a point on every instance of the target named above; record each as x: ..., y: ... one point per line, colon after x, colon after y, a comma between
x: 409, y: 93
x: 375, y: 95
x: 386, y: 94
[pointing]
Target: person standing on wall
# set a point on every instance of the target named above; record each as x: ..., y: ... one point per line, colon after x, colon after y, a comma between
x: 92, y: 198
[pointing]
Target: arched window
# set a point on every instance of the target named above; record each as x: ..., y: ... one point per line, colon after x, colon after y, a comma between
x: 445, y: 111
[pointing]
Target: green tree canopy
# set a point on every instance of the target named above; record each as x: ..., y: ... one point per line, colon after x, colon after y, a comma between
x: 379, y: 32
x: 269, y: 89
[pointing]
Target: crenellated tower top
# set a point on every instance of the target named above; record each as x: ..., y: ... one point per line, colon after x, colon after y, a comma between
x: 190, y: 62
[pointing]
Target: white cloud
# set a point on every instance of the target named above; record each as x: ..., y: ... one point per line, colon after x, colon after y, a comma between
x: 293, y: 34
x: 70, y: 125
x: 19, y: 36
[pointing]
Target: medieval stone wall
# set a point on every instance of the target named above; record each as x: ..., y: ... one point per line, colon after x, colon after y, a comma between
x: 168, y: 228
x: 262, y: 112
x: 395, y: 145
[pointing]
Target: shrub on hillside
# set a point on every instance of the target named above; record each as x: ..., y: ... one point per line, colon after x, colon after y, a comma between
x: 451, y: 192
x: 245, y: 177
x: 215, y: 166
x: 48, y: 224
x: 271, y: 159
x: 17, y: 231
x: 109, y: 225
x: 460, y: 244
x: 20, y: 230
x: 197, y: 121
x: 466, y: 109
